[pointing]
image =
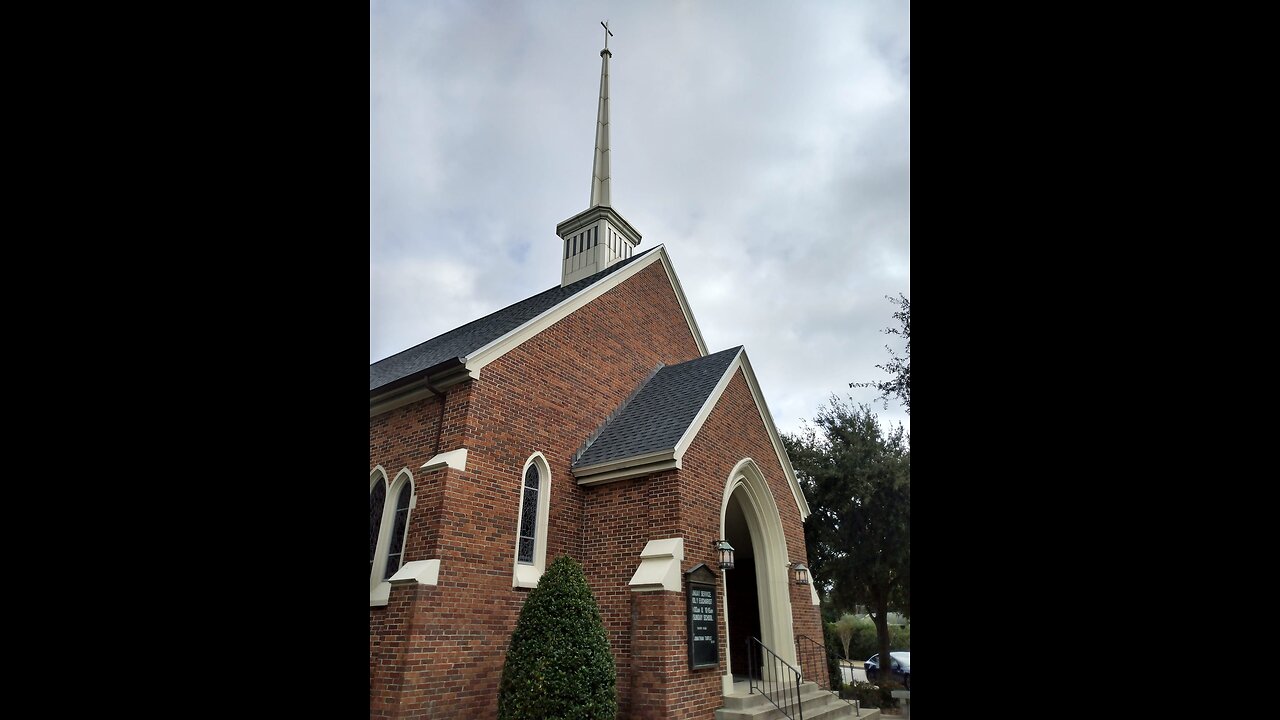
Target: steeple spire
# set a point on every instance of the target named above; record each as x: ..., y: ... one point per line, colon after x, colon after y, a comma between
x: 600, y: 165
x: 597, y: 237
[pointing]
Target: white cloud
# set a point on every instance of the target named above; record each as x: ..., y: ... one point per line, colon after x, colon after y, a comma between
x: 766, y: 144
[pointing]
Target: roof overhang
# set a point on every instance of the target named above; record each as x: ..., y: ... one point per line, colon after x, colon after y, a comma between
x: 639, y: 465
x: 592, y: 215
x: 422, y: 384
x: 626, y: 468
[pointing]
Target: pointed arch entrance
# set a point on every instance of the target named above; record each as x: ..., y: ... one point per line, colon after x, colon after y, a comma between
x: 749, y: 515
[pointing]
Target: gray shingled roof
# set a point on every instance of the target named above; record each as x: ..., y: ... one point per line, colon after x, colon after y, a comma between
x: 660, y: 413
x: 461, y: 341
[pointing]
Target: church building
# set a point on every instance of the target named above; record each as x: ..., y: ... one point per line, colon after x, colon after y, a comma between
x: 591, y: 420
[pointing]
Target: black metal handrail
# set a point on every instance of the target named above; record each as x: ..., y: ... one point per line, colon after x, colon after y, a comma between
x: 813, y: 659
x: 782, y: 684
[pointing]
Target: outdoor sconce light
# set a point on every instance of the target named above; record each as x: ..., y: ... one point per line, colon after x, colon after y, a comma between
x: 800, y: 573
x: 725, y: 551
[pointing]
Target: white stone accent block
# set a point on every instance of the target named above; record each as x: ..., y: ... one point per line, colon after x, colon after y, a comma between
x: 659, y: 566
x: 456, y: 459
x: 423, y: 572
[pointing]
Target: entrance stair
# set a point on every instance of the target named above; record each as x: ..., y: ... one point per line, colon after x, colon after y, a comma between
x: 815, y: 703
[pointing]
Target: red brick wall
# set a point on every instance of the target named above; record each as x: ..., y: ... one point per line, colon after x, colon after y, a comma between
x: 619, y: 520
x: 547, y: 395
x: 733, y: 431
x: 654, y: 678
x: 403, y: 438
x: 438, y: 651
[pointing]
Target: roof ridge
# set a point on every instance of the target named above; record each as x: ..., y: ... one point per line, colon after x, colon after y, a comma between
x: 595, y: 435
x: 560, y: 293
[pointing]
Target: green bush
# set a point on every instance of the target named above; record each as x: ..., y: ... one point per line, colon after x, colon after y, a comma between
x: 873, y: 695
x: 899, y: 638
x: 864, y: 643
x: 559, y: 664
x: 834, y: 651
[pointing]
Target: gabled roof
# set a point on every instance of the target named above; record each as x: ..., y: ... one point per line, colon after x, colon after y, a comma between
x: 657, y: 416
x: 462, y: 341
x: 653, y: 428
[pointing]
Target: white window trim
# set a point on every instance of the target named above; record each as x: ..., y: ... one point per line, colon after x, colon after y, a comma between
x: 380, y: 589
x: 527, y: 576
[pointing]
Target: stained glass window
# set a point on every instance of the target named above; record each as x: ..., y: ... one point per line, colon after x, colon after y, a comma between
x: 377, y: 499
x: 528, y: 516
x: 396, y: 551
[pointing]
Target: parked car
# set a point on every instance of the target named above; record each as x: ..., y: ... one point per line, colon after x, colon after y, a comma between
x: 900, y: 670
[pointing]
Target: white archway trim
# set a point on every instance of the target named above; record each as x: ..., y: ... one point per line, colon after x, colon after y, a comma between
x: 659, y: 566
x: 526, y: 575
x: 772, y: 573
x: 380, y: 587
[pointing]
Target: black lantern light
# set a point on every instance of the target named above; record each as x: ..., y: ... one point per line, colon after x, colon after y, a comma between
x: 800, y: 573
x: 725, y: 550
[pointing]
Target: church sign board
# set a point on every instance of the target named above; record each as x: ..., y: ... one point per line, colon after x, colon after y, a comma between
x: 704, y: 651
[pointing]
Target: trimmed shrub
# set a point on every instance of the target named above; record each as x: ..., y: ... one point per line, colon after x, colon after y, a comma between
x: 873, y: 695
x: 867, y: 694
x: 559, y: 664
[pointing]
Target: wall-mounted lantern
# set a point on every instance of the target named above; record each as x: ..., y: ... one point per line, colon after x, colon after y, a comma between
x: 725, y: 551
x: 800, y: 573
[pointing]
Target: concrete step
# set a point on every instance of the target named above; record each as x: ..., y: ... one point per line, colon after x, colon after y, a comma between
x: 818, y: 704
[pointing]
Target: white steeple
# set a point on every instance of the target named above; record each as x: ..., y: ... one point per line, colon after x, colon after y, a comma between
x: 597, y: 237
x: 600, y: 165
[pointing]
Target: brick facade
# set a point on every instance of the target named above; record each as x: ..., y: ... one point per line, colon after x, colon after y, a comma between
x: 437, y: 651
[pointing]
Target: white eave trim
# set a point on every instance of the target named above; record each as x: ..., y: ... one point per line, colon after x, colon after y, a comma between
x: 625, y: 468
x: 741, y: 361
x: 501, y: 346
x: 418, y: 389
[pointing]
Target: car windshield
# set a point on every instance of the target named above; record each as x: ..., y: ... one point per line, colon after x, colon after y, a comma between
x: 902, y: 657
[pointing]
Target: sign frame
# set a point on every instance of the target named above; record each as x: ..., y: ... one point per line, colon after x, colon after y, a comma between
x: 702, y: 579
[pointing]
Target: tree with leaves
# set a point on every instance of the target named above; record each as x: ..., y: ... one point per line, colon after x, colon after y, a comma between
x: 559, y: 664
x: 857, y: 479
x: 899, y: 368
x: 844, y: 628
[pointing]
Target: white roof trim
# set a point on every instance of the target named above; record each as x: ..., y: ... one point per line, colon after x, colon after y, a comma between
x: 626, y: 468
x: 508, y: 342
x: 741, y: 361
x: 705, y: 411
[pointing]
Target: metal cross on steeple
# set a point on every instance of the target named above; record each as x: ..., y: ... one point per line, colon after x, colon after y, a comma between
x: 607, y: 33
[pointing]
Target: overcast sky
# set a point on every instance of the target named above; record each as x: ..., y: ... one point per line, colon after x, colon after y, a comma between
x: 767, y: 145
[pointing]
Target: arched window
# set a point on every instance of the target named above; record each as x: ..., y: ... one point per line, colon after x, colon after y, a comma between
x: 528, y: 515
x: 389, y: 508
x: 531, y: 522
x: 377, y: 500
x: 398, y: 527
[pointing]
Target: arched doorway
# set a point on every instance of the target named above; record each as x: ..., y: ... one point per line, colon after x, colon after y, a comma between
x: 742, y: 600
x: 757, y: 601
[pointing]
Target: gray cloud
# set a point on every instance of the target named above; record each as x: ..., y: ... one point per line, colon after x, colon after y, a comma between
x: 766, y: 145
